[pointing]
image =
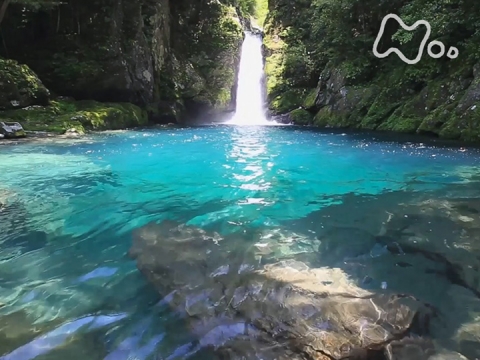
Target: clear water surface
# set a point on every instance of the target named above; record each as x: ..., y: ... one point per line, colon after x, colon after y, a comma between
x: 71, y: 206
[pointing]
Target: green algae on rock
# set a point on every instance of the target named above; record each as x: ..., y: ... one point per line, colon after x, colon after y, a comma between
x: 300, y: 117
x: 61, y: 116
x: 20, y: 86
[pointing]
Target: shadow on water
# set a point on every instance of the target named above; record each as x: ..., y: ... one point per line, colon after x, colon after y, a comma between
x: 421, y: 244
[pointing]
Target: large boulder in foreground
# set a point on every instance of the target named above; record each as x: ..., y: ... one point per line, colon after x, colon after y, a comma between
x: 20, y: 86
x: 239, y: 305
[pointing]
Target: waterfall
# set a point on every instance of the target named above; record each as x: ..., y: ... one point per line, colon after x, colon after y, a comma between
x: 250, y: 108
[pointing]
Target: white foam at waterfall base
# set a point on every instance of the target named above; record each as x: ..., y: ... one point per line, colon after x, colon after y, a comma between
x: 250, y: 107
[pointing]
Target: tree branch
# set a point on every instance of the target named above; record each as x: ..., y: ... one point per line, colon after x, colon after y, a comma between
x: 3, y: 9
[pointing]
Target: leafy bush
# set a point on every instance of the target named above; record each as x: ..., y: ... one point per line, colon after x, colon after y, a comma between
x: 316, y: 34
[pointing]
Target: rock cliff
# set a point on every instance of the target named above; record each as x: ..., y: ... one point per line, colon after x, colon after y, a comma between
x: 175, y: 59
x: 321, y: 69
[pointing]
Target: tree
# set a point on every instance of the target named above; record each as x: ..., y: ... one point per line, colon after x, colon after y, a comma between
x: 36, y: 4
x: 3, y: 9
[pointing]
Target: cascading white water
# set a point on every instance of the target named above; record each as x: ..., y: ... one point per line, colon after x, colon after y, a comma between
x: 250, y: 108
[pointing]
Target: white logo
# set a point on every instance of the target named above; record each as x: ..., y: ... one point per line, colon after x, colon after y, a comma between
x: 452, y: 51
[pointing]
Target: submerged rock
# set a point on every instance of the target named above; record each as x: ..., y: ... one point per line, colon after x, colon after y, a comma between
x: 426, y: 246
x: 60, y: 336
x: 444, y: 231
x: 240, y: 308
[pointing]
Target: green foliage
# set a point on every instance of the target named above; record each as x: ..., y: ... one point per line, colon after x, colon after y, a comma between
x: 261, y: 11
x: 19, y: 83
x: 307, y: 38
x: 81, y: 115
x: 309, y: 102
x: 301, y: 117
x: 211, y: 30
x: 342, y: 33
x: 247, y: 7
x: 37, y: 4
x: 208, y: 52
x: 256, y: 9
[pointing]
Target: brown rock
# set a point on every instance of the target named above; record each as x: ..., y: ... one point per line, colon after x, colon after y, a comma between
x: 238, y: 307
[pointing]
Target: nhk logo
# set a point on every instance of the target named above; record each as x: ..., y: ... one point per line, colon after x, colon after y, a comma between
x: 452, y: 51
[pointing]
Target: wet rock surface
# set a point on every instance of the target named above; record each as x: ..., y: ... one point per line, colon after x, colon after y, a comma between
x: 241, y: 304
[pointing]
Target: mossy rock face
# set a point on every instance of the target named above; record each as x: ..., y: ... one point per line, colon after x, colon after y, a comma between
x: 383, y: 106
x: 61, y: 116
x: 301, y: 117
x: 108, y: 116
x: 453, y: 109
x: 408, y: 117
x: 464, y: 125
x: 276, y: 85
x: 198, y: 80
x: 203, y: 69
x: 287, y: 101
x: 434, y: 123
x: 309, y: 102
x: 222, y: 69
x: 20, y: 86
x: 327, y: 117
x: 142, y: 52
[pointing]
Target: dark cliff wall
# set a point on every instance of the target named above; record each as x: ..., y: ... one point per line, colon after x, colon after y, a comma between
x: 176, y: 58
x: 321, y: 69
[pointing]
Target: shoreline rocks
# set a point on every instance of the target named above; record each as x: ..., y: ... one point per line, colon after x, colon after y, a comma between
x: 11, y: 130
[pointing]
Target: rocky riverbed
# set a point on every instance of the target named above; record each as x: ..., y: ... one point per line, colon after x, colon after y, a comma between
x: 408, y: 291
